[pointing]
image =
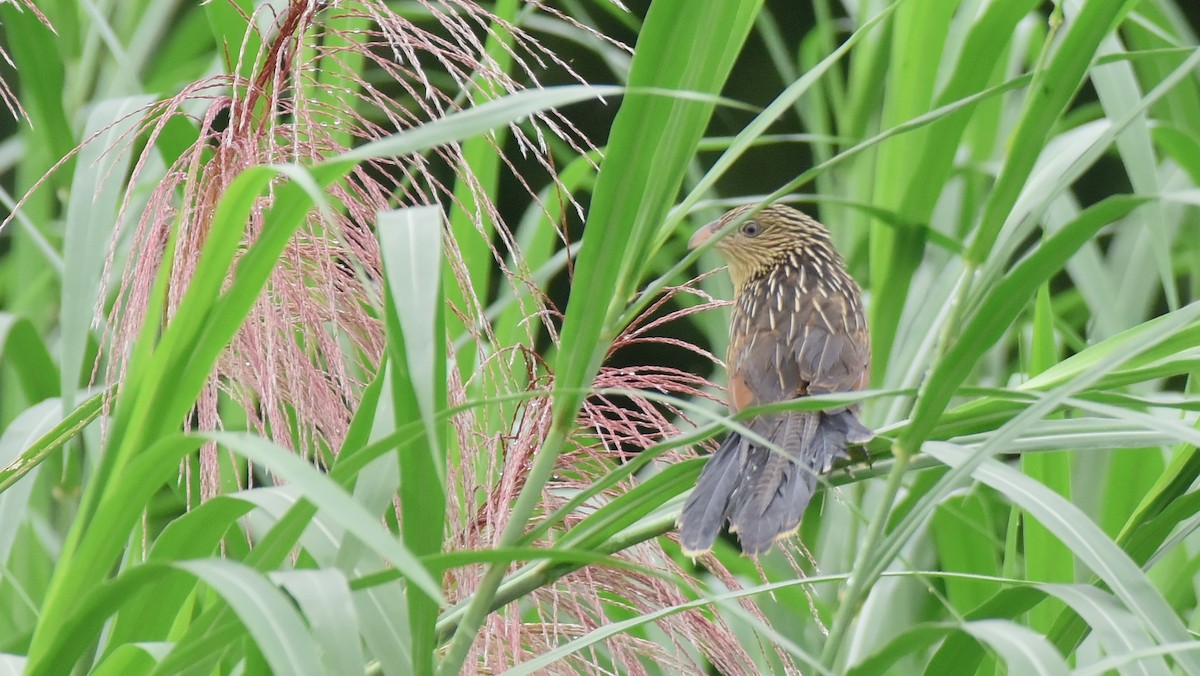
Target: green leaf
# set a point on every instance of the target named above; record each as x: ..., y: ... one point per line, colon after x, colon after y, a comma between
x: 23, y: 349
x: 1116, y: 629
x: 1024, y: 651
x: 100, y: 170
x: 1052, y: 88
x: 324, y: 598
x: 477, y: 120
x: 1086, y: 540
x: 1002, y: 303
x: 12, y: 665
x: 916, y: 48
x: 267, y: 613
x: 238, y: 42
x: 333, y: 501
x: 40, y: 60
x: 411, y: 244
x: 132, y: 659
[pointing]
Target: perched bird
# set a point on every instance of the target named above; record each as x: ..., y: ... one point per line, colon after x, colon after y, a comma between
x: 797, y: 329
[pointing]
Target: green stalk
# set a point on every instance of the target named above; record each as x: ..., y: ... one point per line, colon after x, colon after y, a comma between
x: 861, y: 581
x: 480, y: 606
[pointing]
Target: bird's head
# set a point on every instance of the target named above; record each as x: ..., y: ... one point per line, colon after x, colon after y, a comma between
x: 764, y: 240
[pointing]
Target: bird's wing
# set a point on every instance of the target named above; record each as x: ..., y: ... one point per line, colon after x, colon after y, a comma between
x: 797, y: 341
x: 831, y: 345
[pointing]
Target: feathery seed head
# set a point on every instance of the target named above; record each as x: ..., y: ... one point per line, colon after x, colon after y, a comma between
x: 770, y: 238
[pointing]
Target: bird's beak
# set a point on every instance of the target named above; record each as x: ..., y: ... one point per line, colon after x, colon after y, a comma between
x: 704, y: 234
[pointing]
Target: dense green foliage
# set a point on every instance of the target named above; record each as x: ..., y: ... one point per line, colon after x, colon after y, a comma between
x: 457, y: 438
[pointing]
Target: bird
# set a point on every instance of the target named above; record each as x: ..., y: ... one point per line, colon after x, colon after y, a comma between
x: 797, y: 329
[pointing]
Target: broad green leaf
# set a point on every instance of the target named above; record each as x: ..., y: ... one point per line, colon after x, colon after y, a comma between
x: 1087, y: 541
x: 1023, y: 650
x: 267, y: 613
x: 411, y: 244
x: 324, y: 598
x: 330, y: 498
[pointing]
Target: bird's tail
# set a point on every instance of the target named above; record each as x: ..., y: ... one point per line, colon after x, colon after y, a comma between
x: 762, y: 492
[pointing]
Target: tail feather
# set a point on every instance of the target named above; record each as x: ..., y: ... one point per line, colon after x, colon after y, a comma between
x: 780, y: 485
x: 760, y: 492
x: 764, y: 471
x: 845, y: 422
x: 833, y: 433
x: 706, y: 508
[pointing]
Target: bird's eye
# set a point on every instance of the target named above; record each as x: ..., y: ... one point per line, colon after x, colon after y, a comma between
x: 751, y: 229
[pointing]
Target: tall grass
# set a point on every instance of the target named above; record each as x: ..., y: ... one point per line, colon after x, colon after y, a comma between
x: 307, y: 262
